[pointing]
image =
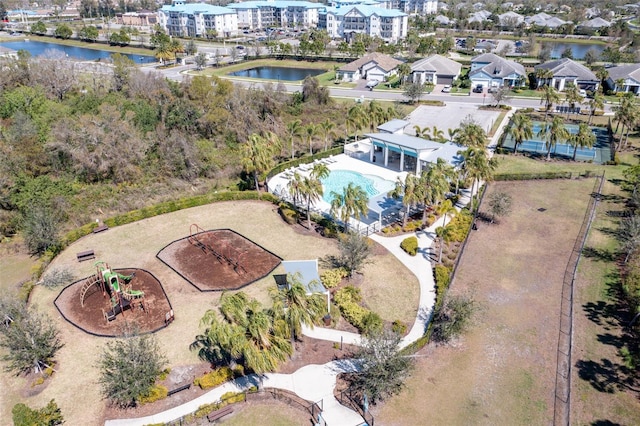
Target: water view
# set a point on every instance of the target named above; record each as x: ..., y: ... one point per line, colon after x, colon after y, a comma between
x: 577, y: 50
x: 38, y: 48
x: 278, y: 73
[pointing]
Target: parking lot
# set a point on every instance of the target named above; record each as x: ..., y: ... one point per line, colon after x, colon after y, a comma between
x: 449, y: 117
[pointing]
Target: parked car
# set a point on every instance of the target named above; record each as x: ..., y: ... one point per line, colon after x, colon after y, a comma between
x: 446, y: 89
x: 478, y: 89
x: 493, y: 89
x: 583, y: 93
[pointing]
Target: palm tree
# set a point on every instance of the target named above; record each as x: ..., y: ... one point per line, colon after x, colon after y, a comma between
x: 435, y: 184
x: 478, y: 166
x: 553, y: 133
x: 444, y: 209
x: 327, y: 130
x: 310, y: 131
x: 521, y: 129
x: 257, y: 154
x: 263, y: 349
x: 542, y: 76
x: 376, y: 115
x: 294, y: 128
x: 311, y: 191
x: 424, y: 133
x: 573, y: 97
x: 357, y: 117
x: 470, y: 134
x: 597, y: 102
x: 353, y: 201
x: 295, y: 307
x: 548, y: 98
x: 164, y: 53
x: 409, y: 191
x: 438, y: 135
x: 404, y: 70
x: 295, y: 187
x: 444, y: 234
x: 452, y: 133
x: 583, y: 138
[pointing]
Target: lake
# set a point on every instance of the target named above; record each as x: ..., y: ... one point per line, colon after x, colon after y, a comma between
x: 38, y: 48
x: 278, y: 73
x: 578, y: 50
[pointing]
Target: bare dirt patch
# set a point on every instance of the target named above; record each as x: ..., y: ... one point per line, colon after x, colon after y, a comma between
x: 90, y: 317
x: 218, y: 260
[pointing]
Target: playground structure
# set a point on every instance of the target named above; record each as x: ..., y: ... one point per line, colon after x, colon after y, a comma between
x: 117, y: 287
x: 225, y: 253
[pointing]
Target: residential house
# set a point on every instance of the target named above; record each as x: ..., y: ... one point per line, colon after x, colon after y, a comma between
x: 491, y: 70
x: 390, y: 25
x: 567, y: 71
x: 544, y: 20
x: 374, y: 66
x: 443, y: 20
x: 510, y: 19
x: 435, y: 69
x: 593, y: 24
x: 624, y: 78
x: 479, y: 17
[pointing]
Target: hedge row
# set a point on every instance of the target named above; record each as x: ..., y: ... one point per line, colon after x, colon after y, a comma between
x: 533, y: 176
x: 363, y: 319
x: 215, y: 378
x: 304, y: 160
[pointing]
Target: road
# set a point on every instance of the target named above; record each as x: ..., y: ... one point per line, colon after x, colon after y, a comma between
x: 178, y: 74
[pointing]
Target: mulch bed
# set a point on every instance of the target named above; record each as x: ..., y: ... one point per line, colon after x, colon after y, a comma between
x: 90, y: 317
x: 201, y: 260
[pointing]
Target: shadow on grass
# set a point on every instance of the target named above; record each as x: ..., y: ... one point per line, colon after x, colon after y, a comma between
x: 605, y: 423
x: 598, y: 254
x: 604, y: 376
x: 602, y: 313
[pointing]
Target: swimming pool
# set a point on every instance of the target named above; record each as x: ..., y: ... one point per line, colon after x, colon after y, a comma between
x: 339, y: 179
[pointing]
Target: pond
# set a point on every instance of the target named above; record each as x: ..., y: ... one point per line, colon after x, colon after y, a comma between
x: 38, y: 48
x: 577, y: 50
x: 278, y: 73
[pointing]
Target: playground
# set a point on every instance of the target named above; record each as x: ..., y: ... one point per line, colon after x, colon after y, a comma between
x: 218, y: 260
x: 105, y: 303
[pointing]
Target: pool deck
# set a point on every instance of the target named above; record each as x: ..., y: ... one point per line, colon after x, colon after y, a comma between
x: 280, y: 182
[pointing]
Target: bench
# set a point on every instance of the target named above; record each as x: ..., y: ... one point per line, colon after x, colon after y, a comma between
x: 85, y: 255
x: 180, y: 389
x: 100, y: 228
x: 218, y: 414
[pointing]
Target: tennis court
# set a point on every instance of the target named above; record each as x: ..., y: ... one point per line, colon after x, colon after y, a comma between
x: 600, y: 153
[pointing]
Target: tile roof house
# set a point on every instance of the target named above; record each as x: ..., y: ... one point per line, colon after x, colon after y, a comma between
x: 567, y: 71
x: 490, y: 69
x: 594, y: 24
x: 435, y: 69
x: 510, y: 19
x: 544, y: 20
x: 373, y: 66
x: 630, y: 76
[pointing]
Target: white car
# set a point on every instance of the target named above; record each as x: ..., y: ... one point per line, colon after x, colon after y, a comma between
x: 446, y: 89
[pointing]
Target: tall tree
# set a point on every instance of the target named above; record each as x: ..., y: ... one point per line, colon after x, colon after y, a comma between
x: 584, y: 138
x: 310, y: 131
x: 294, y: 128
x: 258, y: 155
x: 311, y: 188
x: 553, y: 133
x: 29, y: 339
x: 470, y: 134
x: 383, y: 369
x: 352, y: 202
x: 573, y: 97
x: 521, y: 129
x: 326, y: 127
x: 549, y: 97
x: 295, y: 308
x: 595, y: 103
x: 409, y: 190
x: 129, y: 368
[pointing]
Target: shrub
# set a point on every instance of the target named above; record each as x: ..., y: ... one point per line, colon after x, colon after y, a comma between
x: 57, y: 277
x: 232, y: 397
x: 50, y: 415
x: 371, y: 323
x: 214, y: 378
x: 164, y: 374
x: 288, y: 214
x: 459, y: 226
x: 238, y: 370
x: 399, y: 327
x: 332, y: 277
x: 442, y: 277
x: 205, y: 409
x: 360, y: 317
x: 156, y: 393
x: 410, y: 245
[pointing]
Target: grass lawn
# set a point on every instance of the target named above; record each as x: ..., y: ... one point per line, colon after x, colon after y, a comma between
x: 598, y: 395
x: 136, y: 244
x: 502, y: 371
